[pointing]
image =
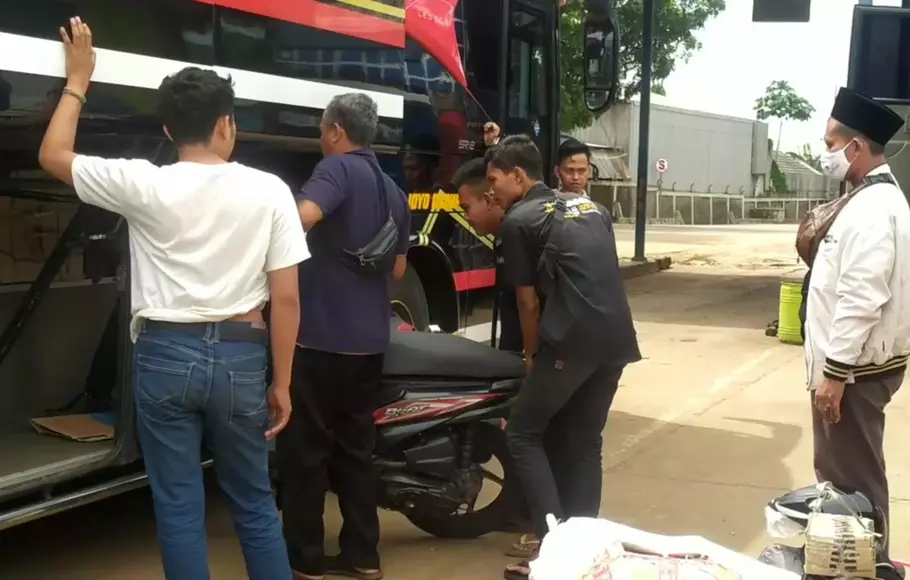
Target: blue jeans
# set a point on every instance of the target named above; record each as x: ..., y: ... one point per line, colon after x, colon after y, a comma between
x: 187, y: 389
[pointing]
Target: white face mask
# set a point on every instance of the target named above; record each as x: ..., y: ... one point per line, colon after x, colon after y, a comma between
x: 834, y: 163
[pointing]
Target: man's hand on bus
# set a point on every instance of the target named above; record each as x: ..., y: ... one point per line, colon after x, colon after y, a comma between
x: 279, y: 400
x: 80, y: 56
x: 490, y: 134
x: 56, y: 154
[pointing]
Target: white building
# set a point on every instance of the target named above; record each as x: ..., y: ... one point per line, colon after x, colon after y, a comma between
x: 704, y: 152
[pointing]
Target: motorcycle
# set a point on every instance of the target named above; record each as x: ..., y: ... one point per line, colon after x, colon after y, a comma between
x: 439, y: 419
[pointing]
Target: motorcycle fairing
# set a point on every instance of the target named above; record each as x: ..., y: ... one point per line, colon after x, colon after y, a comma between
x: 423, y: 409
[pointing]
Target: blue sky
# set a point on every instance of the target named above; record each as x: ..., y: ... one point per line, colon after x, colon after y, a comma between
x: 739, y: 58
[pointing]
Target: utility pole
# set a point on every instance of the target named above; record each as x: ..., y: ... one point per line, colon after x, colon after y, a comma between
x: 644, y: 131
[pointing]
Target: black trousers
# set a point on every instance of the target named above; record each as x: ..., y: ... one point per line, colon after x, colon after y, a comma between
x: 328, y: 444
x: 553, y: 442
x: 563, y: 405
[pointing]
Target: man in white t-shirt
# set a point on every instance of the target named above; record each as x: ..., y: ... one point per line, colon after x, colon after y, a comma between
x: 210, y: 243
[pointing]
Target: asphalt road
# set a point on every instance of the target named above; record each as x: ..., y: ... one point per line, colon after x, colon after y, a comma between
x: 736, y: 246
x: 661, y: 231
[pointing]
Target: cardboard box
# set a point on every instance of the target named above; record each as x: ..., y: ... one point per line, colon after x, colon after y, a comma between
x: 87, y: 428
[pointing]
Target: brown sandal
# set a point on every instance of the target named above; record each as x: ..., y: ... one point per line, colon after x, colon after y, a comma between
x: 527, y: 546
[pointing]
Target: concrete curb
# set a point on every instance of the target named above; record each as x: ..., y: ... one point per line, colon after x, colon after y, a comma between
x: 651, y: 266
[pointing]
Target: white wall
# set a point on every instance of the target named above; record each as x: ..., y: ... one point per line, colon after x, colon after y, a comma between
x: 700, y: 148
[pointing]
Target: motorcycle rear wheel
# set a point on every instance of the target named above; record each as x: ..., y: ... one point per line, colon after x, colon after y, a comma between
x: 488, y: 440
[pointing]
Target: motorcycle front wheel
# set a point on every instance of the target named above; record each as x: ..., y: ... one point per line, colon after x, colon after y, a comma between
x: 490, y: 448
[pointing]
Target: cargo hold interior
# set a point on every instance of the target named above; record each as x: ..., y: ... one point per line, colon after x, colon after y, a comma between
x: 57, y: 380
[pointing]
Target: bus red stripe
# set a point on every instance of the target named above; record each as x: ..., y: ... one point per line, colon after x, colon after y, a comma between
x: 323, y: 16
x: 474, y: 279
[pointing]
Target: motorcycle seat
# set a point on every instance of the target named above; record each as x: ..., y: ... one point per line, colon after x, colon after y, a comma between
x: 424, y: 354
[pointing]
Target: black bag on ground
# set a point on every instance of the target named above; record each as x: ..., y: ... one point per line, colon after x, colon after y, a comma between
x: 378, y: 255
x: 586, y: 313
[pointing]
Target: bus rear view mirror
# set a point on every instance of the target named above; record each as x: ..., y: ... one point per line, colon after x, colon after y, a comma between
x: 601, y: 51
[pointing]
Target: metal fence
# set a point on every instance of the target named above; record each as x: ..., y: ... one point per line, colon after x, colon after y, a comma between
x: 692, y: 208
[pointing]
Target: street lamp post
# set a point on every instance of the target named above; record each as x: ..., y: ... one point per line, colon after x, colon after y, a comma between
x: 644, y: 130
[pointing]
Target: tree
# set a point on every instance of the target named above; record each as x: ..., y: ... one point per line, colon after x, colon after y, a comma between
x: 675, y: 25
x: 781, y: 102
x: 806, y: 156
x: 778, y: 179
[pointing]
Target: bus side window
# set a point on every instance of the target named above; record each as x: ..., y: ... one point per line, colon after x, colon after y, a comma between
x: 527, y: 88
x: 482, y: 38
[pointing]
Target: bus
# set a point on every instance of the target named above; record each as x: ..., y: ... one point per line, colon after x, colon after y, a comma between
x: 66, y: 418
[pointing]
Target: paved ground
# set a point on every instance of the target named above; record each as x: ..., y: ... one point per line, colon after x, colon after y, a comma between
x: 751, y: 247
x: 708, y: 428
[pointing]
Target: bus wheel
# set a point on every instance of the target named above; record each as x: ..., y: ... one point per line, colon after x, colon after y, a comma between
x: 409, y: 301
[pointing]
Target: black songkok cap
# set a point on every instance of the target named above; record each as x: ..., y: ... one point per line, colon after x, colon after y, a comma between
x: 867, y: 117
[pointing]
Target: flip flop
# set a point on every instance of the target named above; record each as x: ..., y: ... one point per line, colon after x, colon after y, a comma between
x: 517, y: 571
x: 527, y: 546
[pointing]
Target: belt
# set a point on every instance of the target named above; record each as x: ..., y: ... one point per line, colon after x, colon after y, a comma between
x: 230, y: 331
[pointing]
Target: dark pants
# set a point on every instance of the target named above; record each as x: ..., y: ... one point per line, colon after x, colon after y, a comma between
x: 188, y: 388
x: 850, y: 454
x: 328, y: 444
x: 552, y: 446
x: 565, y: 402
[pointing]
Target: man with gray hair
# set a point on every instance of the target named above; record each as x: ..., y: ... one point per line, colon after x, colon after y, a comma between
x: 347, y: 205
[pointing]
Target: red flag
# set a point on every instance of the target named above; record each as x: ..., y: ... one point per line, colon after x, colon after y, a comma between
x: 431, y: 23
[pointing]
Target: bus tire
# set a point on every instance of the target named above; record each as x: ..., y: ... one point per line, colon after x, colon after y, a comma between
x: 409, y: 300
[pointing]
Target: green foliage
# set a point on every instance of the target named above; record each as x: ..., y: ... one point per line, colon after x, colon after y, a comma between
x: 778, y: 181
x: 806, y: 156
x: 676, y: 22
x: 780, y: 101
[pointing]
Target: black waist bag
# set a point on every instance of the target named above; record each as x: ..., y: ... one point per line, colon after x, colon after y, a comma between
x: 377, y: 257
x: 586, y: 312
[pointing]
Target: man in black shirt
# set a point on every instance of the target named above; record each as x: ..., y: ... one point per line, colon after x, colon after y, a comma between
x: 574, y: 167
x: 485, y: 216
x: 561, y: 249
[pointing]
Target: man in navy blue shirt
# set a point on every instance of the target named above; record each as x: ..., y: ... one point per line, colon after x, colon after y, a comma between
x: 344, y: 332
